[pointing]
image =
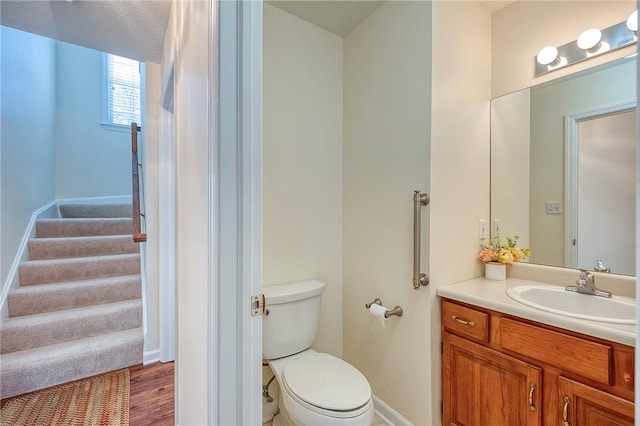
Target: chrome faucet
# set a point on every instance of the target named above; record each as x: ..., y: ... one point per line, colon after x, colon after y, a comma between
x: 586, y: 284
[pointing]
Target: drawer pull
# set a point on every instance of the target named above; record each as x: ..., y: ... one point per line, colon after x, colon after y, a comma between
x: 532, y: 388
x: 565, y: 412
x: 463, y: 321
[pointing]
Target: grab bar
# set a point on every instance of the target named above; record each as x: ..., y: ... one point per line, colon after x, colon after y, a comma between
x: 419, y: 199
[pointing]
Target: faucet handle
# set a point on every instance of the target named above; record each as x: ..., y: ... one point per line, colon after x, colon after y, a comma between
x: 585, y: 277
x: 600, y: 267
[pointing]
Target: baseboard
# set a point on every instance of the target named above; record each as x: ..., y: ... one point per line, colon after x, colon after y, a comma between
x: 387, y: 414
x: 149, y: 357
x: 21, y: 254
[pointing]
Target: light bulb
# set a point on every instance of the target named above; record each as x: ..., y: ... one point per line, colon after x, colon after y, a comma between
x: 632, y: 21
x: 589, y: 39
x: 547, y: 55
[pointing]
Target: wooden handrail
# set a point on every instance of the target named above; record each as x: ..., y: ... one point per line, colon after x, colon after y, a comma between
x: 138, y: 235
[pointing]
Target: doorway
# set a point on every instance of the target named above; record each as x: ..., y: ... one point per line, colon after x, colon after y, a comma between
x: 601, y: 224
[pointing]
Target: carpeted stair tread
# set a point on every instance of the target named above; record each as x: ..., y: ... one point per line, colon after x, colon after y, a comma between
x: 95, y: 210
x: 78, y: 268
x: 78, y: 227
x: 65, y: 247
x: 40, y: 298
x: 77, y: 311
x: 26, y: 332
x: 64, y: 362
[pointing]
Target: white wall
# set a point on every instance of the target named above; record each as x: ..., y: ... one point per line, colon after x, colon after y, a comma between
x: 461, y: 88
x: 302, y: 174
x: 521, y: 29
x: 90, y: 160
x: 510, y: 130
x: 27, y: 126
x: 387, y: 77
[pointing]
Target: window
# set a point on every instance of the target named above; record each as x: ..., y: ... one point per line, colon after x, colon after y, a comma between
x: 122, y: 91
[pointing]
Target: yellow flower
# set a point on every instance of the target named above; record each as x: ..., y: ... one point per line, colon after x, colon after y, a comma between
x: 508, y: 253
x: 505, y: 256
x: 517, y: 253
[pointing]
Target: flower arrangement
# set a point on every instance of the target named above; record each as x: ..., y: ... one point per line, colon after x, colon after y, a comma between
x: 507, y: 254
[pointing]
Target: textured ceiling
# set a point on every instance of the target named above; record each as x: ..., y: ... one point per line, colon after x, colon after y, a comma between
x: 130, y: 28
x: 495, y: 5
x: 136, y: 28
x: 339, y: 17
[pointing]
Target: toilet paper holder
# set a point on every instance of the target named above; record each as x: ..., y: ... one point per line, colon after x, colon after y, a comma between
x: 397, y: 311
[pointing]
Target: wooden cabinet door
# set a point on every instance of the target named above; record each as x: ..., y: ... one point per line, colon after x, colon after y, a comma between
x: 582, y: 405
x: 482, y: 387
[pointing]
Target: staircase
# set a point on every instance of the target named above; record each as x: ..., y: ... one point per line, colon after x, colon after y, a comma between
x: 77, y: 311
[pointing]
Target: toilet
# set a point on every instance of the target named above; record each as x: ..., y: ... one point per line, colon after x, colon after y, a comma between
x: 315, y: 388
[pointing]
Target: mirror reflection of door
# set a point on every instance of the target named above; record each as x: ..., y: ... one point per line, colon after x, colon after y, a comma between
x: 606, y: 192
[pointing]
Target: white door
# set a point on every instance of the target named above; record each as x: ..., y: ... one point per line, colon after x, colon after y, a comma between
x: 599, y: 221
x: 606, y: 192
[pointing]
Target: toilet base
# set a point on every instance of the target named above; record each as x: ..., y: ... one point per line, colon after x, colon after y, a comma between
x: 282, y: 419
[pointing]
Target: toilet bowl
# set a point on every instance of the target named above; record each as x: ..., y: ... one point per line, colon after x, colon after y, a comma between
x: 315, y: 388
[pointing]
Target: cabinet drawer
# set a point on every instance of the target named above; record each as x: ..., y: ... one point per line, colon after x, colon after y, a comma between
x: 465, y: 321
x: 573, y: 354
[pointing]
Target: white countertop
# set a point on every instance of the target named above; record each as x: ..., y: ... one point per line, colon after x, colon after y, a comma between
x: 493, y: 295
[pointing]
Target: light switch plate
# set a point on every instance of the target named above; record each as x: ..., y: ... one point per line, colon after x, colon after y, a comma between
x: 554, y: 207
x: 482, y: 229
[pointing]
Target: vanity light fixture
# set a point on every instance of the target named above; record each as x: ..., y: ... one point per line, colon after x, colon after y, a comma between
x: 590, y: 43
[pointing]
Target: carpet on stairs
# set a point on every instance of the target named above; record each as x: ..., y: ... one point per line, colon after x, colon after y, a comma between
x: 77, y: 311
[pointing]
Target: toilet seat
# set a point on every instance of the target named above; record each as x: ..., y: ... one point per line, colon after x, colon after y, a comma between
x: 326, y: 385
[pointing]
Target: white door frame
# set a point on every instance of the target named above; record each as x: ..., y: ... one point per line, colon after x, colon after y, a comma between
x: 167, y: 219
x: 572, y: 150
x: 235, y: 213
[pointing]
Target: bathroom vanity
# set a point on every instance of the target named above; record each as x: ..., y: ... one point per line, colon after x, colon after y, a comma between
x: 504, y: 363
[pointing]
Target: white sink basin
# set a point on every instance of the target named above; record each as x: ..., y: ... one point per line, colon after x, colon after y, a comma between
x: 618, y: 310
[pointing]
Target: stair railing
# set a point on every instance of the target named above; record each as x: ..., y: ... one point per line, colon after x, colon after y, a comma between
x: 138, y: 235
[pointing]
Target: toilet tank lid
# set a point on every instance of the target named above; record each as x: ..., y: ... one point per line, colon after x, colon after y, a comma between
x: 291, y: 292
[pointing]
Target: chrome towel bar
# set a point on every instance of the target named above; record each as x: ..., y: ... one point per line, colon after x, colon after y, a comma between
x: 419, y: 199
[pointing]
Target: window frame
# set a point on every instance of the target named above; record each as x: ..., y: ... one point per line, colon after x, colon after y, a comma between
x: 106, y: 105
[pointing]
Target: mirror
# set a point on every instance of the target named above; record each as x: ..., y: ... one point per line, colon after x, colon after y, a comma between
x: 563, y: 168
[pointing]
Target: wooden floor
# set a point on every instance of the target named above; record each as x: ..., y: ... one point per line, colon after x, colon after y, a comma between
x: 151, y: 397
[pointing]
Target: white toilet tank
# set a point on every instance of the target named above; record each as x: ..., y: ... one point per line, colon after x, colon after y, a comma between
x: 293, y: 315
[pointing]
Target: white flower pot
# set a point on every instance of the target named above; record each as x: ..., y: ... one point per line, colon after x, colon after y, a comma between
x: 495, y: 271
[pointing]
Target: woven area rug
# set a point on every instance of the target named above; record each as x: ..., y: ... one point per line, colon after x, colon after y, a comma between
x: 99, y: 400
